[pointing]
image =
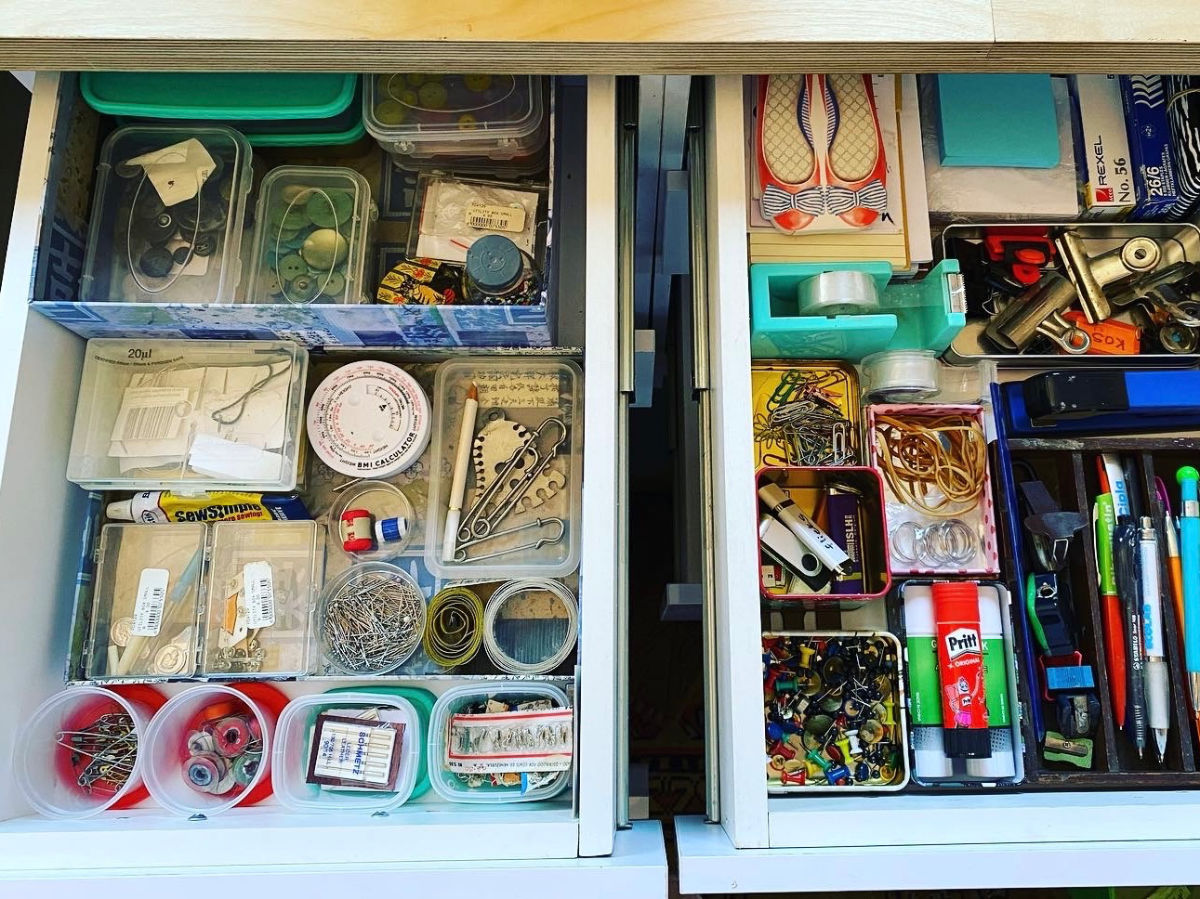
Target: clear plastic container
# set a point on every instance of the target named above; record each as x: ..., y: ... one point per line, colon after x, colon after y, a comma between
x: 169, y: 754
x: 147, y: 602
x: 312, y: 232
x: 189, y: 415
x: 166, y: 227
x: 293, y: 746
x: 48, y: 773
x: 446, y: 783
x: 421, y: 116
x: 262, y: 585
x: 371, y: 618
x: 521, y: 491
x: 384, y: 502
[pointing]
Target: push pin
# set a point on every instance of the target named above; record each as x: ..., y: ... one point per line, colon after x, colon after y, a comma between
x: 838, y: 775
x: 796, y: 778
x: 806, y: 656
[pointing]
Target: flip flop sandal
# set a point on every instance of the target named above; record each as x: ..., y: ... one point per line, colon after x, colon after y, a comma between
x: 787, y: 163
x: 856, y: 167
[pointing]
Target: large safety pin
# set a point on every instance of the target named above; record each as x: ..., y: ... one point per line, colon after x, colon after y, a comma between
x: 460, y: 555
x: 494, y: 505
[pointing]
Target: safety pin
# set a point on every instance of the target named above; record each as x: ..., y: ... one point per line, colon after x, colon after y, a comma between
x: 461, y: 554
x: 536, y: 523
x: 488, y: 511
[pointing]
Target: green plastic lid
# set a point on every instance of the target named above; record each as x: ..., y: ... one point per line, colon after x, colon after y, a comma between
x: 219, y: 95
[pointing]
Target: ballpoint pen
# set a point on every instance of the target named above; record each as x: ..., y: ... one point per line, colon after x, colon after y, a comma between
x: 1125, y: 551
x: 1189, y: 549
x: 1158, y: 693
x: 1104, y: 519
x: 1174, y: 566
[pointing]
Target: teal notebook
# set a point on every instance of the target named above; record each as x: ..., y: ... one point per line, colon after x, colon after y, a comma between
x: 997, y: 120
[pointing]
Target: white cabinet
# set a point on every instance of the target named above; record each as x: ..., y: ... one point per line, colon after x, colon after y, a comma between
x: 426, y: 846
x: 920, y: 840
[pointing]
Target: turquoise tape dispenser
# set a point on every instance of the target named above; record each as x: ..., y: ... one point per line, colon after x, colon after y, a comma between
x: 852, y: 309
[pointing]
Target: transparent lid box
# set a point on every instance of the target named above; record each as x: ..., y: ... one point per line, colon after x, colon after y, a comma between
x: 189, y: 415
x: 167, y: 216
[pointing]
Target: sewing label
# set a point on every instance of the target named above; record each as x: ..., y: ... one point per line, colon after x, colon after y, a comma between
x: 148, y: 607
x: 177, y: 172
x: 529, y: 390
x: 494, y: 217
x: 524, y: 741
x: 259, y: 594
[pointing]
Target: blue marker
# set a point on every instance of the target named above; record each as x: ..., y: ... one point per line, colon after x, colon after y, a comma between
x: 1189, y: 549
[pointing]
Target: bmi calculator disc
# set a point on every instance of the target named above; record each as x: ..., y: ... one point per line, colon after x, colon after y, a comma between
x: 369, y: 419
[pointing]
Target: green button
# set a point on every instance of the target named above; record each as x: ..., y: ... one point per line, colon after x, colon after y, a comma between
x: 432, y: 95
x: 329, y: 208
x: 303, y: 290
x: 292, y: 266
x: 334, y: 285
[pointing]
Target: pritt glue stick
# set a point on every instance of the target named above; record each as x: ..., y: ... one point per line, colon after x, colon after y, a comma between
x: 960, y: 669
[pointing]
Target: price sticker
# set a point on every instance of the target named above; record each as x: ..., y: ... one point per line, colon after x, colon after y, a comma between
x: 148, y: 608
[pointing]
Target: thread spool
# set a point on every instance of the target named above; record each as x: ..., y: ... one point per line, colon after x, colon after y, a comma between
x: 356, y: 528
x: 203, y: 773
x: 901, y: 376
x: 232, y: 736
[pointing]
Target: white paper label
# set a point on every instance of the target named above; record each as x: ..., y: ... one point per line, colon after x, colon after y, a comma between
x: 178, y: 171
x: 148, y: 608
x: 528, y: 390
x: 493, y: 217
x: 259, y: 594
x: 355, y: 752
x: 151, y: 413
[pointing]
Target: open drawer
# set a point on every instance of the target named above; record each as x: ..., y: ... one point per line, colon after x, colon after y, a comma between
x: 38, y: 388
x: 918, y: 839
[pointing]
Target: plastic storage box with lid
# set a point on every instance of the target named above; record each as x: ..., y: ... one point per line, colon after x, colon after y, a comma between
x: 313, y: 229
x: 61, y: 151
x: 300, y: 109
x: 418, y: 117
x: 144, y: 615
x: 189, y: 415
x: 519, y: 512
x: 296, y: 731
x: 262, y: 582
x: 446, y: 783
x: 167, y: 216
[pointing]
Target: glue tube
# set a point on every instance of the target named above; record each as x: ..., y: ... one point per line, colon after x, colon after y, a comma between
x: 960, y: 670
x: 165, y: 507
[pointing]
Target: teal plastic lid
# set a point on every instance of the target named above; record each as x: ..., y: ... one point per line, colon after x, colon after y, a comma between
x: 219, y: 95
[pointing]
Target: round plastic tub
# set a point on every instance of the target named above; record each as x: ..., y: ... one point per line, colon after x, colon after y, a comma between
x: 383, y: 500
x: 445, y: 782
x: 361, y: 651
x: 293, y: 745
x: 167, y: 752
x: 44, y: 769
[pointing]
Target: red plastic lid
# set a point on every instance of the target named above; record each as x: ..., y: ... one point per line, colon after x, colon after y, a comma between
x: 956, y: 600
x: 154, y: 699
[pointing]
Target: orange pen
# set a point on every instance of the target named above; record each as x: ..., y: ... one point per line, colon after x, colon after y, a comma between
x: 1174, y: 566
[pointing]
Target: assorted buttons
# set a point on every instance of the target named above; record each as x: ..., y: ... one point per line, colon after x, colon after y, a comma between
x: 311, y: 235
x: 832, y: 706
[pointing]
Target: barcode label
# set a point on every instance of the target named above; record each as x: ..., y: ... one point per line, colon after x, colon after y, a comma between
x: 259, y: 593
x: 151, y: 413
x: 492, y: 217
x: 148, y: 608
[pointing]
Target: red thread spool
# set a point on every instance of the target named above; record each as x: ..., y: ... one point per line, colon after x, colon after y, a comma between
x: 357, y: 529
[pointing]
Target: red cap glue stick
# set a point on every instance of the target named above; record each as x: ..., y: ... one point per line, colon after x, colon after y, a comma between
x: 960, y: 670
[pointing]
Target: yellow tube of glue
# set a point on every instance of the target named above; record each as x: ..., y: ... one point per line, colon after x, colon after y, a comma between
x: 165, y: 507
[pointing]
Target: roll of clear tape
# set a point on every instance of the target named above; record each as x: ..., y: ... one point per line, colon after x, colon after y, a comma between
x: 902, y: 376
x: 837, y: 293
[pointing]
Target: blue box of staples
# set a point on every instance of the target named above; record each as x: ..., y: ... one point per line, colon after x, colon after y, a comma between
x: 1156, y: 181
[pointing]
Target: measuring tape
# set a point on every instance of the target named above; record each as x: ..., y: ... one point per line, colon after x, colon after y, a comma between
x: 369, y: 419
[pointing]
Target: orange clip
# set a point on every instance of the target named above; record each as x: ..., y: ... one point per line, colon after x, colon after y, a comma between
x: 1109, y: 337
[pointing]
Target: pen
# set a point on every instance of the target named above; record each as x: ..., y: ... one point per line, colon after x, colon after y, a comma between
x: 1104, y: 519
x: 1125, y: 550
x: 462, y: 464
x: 1189, y: 549
x: 1174, y: 566
x: 1158, y: 694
